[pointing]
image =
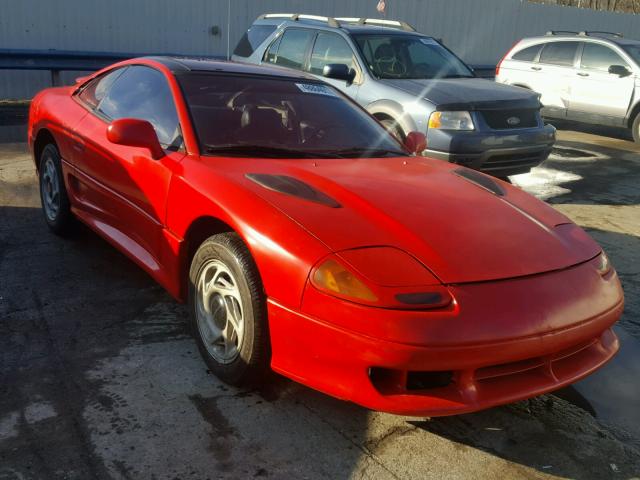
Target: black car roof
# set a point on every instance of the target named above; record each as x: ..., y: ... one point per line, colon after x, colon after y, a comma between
x: 199, y: 64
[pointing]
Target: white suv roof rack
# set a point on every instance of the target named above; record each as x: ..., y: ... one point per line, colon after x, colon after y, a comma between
x: 335, y: 22
x: 590, y: 33
x: 584, y: 33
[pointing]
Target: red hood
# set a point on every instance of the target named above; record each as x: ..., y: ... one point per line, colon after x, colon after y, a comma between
x: 461, y: 231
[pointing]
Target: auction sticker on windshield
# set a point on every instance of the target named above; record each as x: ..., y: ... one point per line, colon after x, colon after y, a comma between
x: 317, y: 89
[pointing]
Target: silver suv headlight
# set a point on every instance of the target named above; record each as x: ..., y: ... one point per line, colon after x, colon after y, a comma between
x: 451, y: 121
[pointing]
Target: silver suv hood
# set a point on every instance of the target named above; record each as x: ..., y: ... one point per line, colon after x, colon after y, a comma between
x: 466, y: 93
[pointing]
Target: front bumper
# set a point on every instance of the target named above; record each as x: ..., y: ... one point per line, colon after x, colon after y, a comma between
x: 497, y: 152
x: 485, y: 367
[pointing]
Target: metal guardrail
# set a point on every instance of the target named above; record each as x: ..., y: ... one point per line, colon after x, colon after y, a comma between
x: 57, y: 61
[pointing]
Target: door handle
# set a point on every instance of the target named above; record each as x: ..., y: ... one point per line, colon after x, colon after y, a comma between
x: 536, y: 68
x: 582, y: 74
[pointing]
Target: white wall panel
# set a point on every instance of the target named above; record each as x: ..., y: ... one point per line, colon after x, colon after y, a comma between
x: 480, y: 31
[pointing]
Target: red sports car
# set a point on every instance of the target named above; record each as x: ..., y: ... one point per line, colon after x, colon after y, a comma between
x: 307, y: 239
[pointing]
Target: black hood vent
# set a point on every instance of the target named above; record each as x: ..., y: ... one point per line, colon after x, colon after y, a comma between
x: 481, y: 180
x: 292, y: 186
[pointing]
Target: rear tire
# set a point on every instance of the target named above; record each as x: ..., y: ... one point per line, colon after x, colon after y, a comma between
x: 228, y: 311
x: 53, y: 193
x: 635, y: 129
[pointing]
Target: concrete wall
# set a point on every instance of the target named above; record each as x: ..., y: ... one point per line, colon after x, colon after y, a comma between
x: 480, y: 31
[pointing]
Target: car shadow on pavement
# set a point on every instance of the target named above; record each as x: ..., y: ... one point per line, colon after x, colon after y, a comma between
x: 546, y: 434
x: 99, y: 378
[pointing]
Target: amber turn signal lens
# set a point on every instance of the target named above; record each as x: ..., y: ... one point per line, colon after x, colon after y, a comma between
x: 435, y: 120
x: 333, y: 277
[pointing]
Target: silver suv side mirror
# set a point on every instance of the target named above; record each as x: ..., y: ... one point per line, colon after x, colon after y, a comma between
x: 339, y: 71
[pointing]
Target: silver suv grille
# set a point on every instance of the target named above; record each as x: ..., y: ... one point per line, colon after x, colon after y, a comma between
x: 507, y: 119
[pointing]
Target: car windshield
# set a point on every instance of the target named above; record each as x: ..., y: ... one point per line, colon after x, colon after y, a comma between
x: 250, y: 116
x: 634, y: 52
x: 410, y: 56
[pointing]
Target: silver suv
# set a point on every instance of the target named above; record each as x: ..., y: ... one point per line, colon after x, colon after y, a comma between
x: 409, y: 82
x: 591, y: 77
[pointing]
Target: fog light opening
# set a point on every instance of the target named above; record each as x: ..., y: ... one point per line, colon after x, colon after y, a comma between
x: 389, y: 381
x: 428, y: 380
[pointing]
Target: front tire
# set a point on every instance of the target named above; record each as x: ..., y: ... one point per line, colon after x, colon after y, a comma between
x: 635, y: 129
x: 53, y: 193
x: 228, y: 310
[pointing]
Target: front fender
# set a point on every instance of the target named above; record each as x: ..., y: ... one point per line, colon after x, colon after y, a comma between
x: 283, y: 251
x: 401, y: 114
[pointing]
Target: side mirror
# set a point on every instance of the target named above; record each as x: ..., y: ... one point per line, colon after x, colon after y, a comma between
x: 416, y: 142
x: 339, y: 71
x: 619, y: 70
x: 135, y: 133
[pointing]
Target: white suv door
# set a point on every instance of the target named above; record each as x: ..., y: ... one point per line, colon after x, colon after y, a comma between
x: 556, y: 75
x: 597, y: 92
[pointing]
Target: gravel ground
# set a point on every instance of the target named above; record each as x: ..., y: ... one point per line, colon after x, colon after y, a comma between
x: 100, y: 379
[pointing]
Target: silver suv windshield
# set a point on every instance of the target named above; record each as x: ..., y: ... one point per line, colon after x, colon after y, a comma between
x: 410, y: 56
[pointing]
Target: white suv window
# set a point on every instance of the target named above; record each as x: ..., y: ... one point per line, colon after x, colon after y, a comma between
x: 600, y: 57
x: 559, y: 53
x: 528, y: 54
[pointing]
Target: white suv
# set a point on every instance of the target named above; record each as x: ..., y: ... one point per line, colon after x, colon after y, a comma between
x: 591, y: 77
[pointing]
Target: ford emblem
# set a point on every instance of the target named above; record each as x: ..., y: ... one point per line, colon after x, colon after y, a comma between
x: 513, y: 121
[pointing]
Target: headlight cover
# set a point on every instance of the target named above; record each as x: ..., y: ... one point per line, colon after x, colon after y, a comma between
x: 336, y: 277
x: 460, y: 120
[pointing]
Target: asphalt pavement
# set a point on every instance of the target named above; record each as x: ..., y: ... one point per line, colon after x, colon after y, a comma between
x: 99, y: 377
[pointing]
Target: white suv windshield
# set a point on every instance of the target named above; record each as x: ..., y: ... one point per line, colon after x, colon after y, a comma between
x: 634, y: 52
x: 409, y: 56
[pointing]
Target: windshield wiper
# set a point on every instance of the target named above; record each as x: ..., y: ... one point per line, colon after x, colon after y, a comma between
x: 457, y: 76
x: 366, y: 153
x: 266, y: 151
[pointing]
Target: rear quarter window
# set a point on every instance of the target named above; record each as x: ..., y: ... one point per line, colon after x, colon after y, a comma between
x: 528, y: 54
x: 93, y: 93
x: 252, y: 39
x: 559, y: 53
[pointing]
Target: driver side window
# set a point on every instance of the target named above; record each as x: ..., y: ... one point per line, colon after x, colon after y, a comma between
x: 143, y: 92
x: 291, y: 48
x: 600, y: 57
x: 330, y: 48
